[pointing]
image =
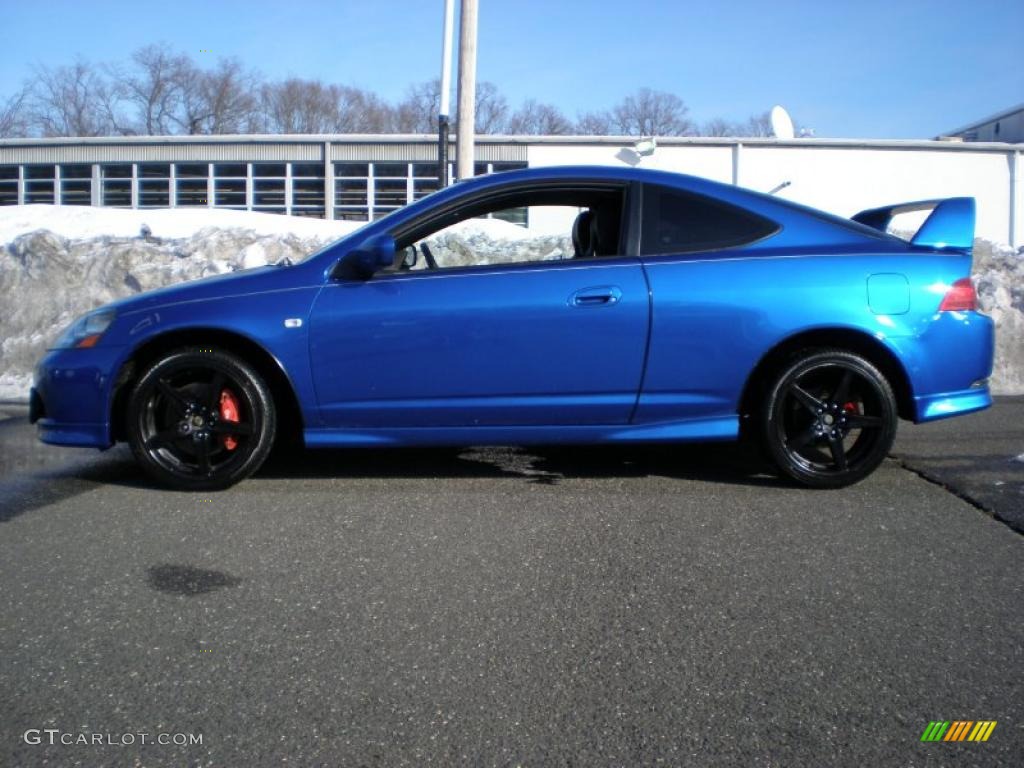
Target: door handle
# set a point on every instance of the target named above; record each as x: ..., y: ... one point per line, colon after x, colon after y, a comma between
x: 599, y: 296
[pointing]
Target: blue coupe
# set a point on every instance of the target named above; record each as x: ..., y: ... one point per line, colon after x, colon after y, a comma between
x: 548, y: 305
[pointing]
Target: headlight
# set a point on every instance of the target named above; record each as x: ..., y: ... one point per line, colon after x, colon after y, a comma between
x: 86, y: 330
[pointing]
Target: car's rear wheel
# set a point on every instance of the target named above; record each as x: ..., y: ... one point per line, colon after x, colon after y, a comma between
x: 200, y: 420
x: 830, y: 419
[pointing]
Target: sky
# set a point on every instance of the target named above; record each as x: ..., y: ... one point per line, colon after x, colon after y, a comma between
x: 864, y: 69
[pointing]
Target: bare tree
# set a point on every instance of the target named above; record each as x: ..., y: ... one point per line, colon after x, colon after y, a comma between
x: 536, y: 119
x: 153, y: 88
x: 219, y: 101
x: 160, y: 91
x: 719, y: 127
x: 13, y: 116
x: 491, y: 109
x: 651, y: 113
x: 299, y: 106
x: 758, y: 125
x: 594, y: 124
x: 362, y: 112
x: 417, y: 112
x: 71, y: 101
x: 229, y: 94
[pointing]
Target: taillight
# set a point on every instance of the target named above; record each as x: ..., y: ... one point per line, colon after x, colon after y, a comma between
x: 960, y: 297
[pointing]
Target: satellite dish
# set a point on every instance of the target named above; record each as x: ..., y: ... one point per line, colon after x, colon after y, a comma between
x: 782, y: 123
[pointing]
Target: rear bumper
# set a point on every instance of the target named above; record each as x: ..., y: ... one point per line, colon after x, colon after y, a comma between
x: 949, y: 365
x: 942, y: 406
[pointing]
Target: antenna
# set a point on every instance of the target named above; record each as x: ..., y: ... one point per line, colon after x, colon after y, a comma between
x: 782, y: 123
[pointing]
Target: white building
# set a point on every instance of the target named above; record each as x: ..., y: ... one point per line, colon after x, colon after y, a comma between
x: 1006, y: 126
x: 362, y: 177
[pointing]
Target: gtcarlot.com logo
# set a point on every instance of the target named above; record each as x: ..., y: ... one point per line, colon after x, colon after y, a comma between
x: 53, y: 736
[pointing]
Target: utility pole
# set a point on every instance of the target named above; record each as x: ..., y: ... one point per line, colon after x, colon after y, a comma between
x: 467, y: 88
x: 446, y: 86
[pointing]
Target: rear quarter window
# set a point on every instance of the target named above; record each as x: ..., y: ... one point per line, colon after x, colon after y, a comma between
x: 674, y: 221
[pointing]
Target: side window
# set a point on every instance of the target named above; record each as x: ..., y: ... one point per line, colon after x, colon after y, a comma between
x: 678, y: 222
x: 551, y: 225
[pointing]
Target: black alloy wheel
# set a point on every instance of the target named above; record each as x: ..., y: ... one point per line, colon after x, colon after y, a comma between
x: 201, y: 419
x: 830, y: 419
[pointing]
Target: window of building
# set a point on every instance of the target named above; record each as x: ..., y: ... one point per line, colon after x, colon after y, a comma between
x: 120, y: 171
x: 76, y: 184
x: 679, y: 222
x: 229, y: 185
x: 391, y: 184
x: 424, y: 179
x: 229, y: 170
x: 154, y: 185
x: 116, y: 185
x: 190, y: 184
x: 391, y: 170
x: 191, y: 170
x: 8, y: 185
x: 268, y: 187
x: 269, y: 170
x: 308, y: 189
x: 39, y: 184
x: 351, y: 191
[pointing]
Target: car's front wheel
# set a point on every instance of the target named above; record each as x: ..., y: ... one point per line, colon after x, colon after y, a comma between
x: 200, y: 419
x: 830, y: 419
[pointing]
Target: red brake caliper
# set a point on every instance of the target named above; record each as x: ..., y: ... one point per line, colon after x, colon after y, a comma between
x: 228, y: 412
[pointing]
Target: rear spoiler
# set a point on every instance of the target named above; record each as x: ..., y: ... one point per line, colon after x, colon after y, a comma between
x: 950, y: 224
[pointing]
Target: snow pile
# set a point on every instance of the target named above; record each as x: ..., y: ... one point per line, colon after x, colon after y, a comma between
x: 999, y: 277
x: 57, y: 263
x: 492, y: 241
x: 83, y: 222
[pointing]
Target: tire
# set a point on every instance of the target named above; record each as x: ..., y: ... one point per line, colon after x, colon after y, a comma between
x: 830, y: 418
x: 200, y: 420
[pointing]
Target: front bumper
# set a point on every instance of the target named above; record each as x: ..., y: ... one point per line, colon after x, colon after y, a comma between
x: 69, y: 400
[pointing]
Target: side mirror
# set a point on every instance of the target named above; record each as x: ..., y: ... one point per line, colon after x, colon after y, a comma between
x: 370, y: 257
x: 410, y: 257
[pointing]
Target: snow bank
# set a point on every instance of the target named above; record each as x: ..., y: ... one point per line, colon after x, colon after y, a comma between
x: 83, y: 222
x: 492, y: 241
x: 56, y: 263
x: 999, y: 277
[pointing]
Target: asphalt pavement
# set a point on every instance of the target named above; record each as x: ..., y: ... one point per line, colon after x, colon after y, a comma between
x: 584, y: 606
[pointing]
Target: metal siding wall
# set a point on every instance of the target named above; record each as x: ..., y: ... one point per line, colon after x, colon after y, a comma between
x: 313, y: 151
x: 142, y: 153
x: 423, y: 152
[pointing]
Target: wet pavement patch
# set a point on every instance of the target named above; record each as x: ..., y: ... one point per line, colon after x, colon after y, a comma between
x: 189, y: 581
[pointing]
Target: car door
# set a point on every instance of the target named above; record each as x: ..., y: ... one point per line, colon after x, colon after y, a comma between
x: 708, y: 290
x: 523, y: 344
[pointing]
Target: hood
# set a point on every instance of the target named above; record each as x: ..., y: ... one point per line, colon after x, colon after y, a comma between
x: 241, y: 283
